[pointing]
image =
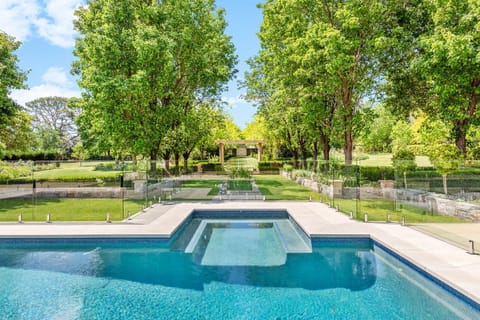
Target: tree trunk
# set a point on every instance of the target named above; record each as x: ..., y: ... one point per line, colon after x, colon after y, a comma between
x: 348, y: 148
x: 460, y: 133
x: 325, y: 141
x: 315, y: 156
x: 185, y: 155
x: 177, y: 163
x: 303, y: 151
x: 304, y: 158
x: 460, y: 127
x: 153, y: 162
x: 166, y: 159
x: 295, y: 158
x: 444, y: 180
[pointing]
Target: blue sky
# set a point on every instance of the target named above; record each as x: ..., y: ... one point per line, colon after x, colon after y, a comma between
x: 45, y: 29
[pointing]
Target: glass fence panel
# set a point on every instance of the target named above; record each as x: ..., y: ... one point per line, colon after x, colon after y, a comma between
x: 17, y: 197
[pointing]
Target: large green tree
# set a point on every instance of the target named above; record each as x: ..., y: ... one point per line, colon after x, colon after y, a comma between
x: 450, y: 64
x: 17, y: 135
x: 323, y: 57
x: 11, y: 77
x: 53, y: 119
x: 144, y: 64
x: 433, y: 66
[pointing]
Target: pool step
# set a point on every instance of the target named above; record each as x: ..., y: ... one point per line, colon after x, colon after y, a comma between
x: 292, y: 241
x: 186, y: 236
x: 196, y: 236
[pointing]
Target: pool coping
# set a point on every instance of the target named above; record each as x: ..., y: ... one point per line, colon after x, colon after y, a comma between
x: 445, y: 262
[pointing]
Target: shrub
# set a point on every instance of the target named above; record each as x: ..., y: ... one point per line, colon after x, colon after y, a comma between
x: 403, y: 160
x: 212, y: 166
x: 10, y: 171
x: 31, y: 155
x: 110, y: 166
x: 270, y: 165
x: 377, y: 173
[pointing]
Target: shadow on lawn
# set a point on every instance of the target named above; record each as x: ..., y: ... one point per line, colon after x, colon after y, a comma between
x: 269, y: 183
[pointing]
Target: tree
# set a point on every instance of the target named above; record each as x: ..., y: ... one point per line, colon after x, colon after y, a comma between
x: 11, y: 77
x: 432, y: 54
x: 144, y: 64
x: 230, y: 131
x: 258, y: 130
x: 450, y: 64
x: 54, y: 120
x: 17, y: 135
x: 196, y: 124
x: 321, y: 58
x: 405, y: 88
x: 376, y: 136
x: 402, y: 136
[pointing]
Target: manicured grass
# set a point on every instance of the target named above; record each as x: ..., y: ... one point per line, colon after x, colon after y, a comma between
x: 247, y: 163
x: 242, y: 185
x: 67, y: 209
x: 72, y: 171
x: 379, y: 209
x: 213, y: 184
x: 200, y: 183
x: 379, y: 159
x: 280, y: 188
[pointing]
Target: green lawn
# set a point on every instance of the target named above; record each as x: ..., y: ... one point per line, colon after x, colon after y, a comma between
x: 379, y: 159
x: 242, y: 185
x: 203, y: 184
x: 67, y: 209
x: 72, y: 171
x: 379, y: 209
x: 247, y: 163
x: 280, y: 188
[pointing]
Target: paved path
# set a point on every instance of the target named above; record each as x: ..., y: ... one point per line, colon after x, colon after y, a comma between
x: 451, y: 264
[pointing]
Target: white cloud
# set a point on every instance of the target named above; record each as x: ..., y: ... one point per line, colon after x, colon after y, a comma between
x: 56, y: 25
x: 49, y: 19
x: 17, y: 17
x: 40, y: 91
x: 56, y: 75
x: 233, y: 102
x: 56, y: 84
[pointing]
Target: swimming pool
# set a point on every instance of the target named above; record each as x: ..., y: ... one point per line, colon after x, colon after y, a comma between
x: 194, y: 277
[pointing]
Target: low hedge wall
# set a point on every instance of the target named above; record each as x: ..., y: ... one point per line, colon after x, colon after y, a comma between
x: 31, y: 155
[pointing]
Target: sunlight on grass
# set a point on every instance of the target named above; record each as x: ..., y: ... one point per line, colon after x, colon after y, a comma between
x: 247, y: 163
x: 280, y: 188
x: 67, y: 209
x: 73, y: 171
x: 379, y: 209
x: 377, y: 159
x: 213, y: 184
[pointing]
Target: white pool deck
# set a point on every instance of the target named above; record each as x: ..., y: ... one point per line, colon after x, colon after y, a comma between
x: 450, y: 264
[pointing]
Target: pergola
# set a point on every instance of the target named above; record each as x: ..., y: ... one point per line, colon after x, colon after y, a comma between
x: 222, y: 144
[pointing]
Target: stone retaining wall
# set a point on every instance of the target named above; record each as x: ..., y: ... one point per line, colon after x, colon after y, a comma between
x: 428, y: 201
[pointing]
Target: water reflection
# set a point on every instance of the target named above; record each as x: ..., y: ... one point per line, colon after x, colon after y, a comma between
x: 335, y: 265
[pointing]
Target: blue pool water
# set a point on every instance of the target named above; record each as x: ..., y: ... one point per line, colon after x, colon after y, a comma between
x: 194, y: 277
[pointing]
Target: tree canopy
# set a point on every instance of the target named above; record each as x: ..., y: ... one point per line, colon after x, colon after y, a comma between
x: 11, y: 77
x: 145, y: 65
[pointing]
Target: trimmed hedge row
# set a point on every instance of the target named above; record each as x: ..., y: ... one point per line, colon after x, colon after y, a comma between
x: 31, y: 155
x: 274, y: 165
x: 212, y: 166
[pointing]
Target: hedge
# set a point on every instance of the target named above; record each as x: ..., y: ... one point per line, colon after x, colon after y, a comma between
x: 270, y: 165
x: 212, y: 166
x: 31, y: 155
